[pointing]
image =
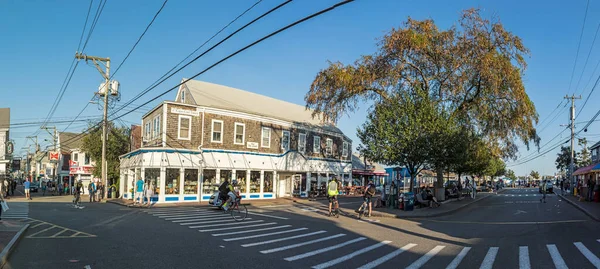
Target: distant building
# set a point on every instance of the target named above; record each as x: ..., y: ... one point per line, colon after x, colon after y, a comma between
x: 74, y: 163
x: 5, y: 158
x: 135, y: 138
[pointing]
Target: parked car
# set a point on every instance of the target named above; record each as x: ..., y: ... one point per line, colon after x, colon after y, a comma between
x: 549, y: 187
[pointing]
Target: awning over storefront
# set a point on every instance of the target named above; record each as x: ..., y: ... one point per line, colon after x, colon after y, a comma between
x: 584, y: 170
x: 596, y: 168
x: 361, y: 172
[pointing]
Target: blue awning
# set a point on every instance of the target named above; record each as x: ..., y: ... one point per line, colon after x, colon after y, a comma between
x: 596, y: 168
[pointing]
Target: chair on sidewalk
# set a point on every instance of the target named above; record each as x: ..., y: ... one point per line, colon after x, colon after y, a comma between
x: 422, y: 202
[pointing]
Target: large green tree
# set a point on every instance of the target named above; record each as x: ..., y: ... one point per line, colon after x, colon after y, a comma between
x: 510, y: 174
x: 117, y: 144
x: 534, y: 174
x: 563, y: 159
x: 585, y: 157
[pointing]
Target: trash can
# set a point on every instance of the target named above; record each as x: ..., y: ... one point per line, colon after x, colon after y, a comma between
x: 409, y: 201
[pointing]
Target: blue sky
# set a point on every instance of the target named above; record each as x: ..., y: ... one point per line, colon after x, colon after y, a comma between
x: 39, y: 39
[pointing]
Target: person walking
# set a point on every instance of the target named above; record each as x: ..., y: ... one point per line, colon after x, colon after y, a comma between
x: 26, y: 187
x: 544, y: 189
x: 149, y: 192
x: 91, y: 191
x: 139, y: 192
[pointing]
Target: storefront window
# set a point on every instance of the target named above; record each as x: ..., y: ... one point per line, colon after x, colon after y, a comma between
x: 254, y: 181
x: 241, y: 180
x: 125, y: 181
x: 226, y: 175
x: 303, y: 183
x: 152, y: 176
x: 209, y: 180
x: 172, y: 181
x: 190, y: 181
x: 268, y: 182
x: 313, y: 181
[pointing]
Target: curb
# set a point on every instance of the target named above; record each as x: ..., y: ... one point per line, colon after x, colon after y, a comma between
x: 11, y: 245
x: 579, y: 207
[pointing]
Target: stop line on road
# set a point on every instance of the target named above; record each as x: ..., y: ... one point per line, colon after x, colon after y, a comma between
x: 301, y: 244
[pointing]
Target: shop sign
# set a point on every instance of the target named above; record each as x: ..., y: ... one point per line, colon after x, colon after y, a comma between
x: 53, y: 156
x: 185, y: 112
x: 81, y: 170
x: 252, y: 145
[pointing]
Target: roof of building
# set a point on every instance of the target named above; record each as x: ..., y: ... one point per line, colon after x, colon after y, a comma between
x: 358, y: 162
x: 69, y: 141
x: 4, y: 118
x: 597, y: 145
x: 223, y: 97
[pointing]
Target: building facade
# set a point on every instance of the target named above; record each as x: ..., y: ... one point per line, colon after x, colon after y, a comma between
x: 211, y: 133
x: 74, y: 164
x: 5, y: 159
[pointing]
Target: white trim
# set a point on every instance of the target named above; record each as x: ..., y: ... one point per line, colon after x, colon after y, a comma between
x: 212, y: 131
x: 289, y: 136
x: 314, y: 149
x: 345, y: 147
x: 304, y: 146
x: 189, y: 127
x: 329, y: 146
x: 164, y: 126
x: 235, y: 133
x: 262, y: 137
x: 182, y: 96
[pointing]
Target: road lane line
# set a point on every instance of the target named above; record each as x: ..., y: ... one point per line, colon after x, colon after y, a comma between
x: 199, y: 216
x: 524, y: 262
x: 251, y: 231
x: 44, y: 230
x: 282, y: 239
x: 179, y: 212
x: 263, y: 235
x: 386, y: 258
x: 454, y: 264
x: 350, y: 256
x: 490, y: 257
x: 202, y: 222
x: 237, y: 227
x: 559, y: 263
x: 425, y: 258
x: 588, y: 254
x: 203, y: 218
x: 225, y: 224
x: 301, y: 244
x: 319, y: 251
x: 171, y: 217
x: 269, y: 216
x: 59, y: 233
x: 38, y: 225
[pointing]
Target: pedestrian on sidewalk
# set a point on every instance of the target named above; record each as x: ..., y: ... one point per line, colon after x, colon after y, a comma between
x: 544, y: 189
x: 26, y: 186
x: 91, y: 191
x: 139, y: 192
x: 149, y: 191
x: 393, y: 197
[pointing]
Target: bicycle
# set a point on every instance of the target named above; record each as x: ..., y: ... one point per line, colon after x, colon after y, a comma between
x: 238, y: 211
x: 335, y: 212
x: 361, y: 210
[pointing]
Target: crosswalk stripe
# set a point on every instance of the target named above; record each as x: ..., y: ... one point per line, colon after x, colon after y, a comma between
x: 386, y: 258
x: 203, y: 218
x: 179, y: 212
x: 454, y: 264
x: 524, y: 262
x: 251, y: 231
x: 237, y: 227
x: 350, y: 256
x: 425, y: 258
x: 199, y: 217
x: 203, y: 222
x: 225, y: 224
x: 319, y: 251
x: 191, y: 216
x: 588, y: 254
x: 269, y: 216
x: 489, y: 259
x: 282, y: 239
x: 559, y: 263
x: 301, y: 244
x: 154, y: 211
x: 263, y: 235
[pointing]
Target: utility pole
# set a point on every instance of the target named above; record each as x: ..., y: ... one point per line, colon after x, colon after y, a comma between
x: 54, y: 142
x: 106, y: 75
x: 35, y: 150
x: 572, y: 165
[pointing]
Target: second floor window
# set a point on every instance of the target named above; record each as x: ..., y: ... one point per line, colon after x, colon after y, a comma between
x: 156, y: 130
x: 76, y: 157
x: 302, y: 143
x: 184, y: 127
x: 328, y: 146
x: 86, y: 159
x: 345, y: 149
x: 240, y: 131
x: 147, y: 131
x: 266, y: 137
x: 183, y: 96
x: 285, y: 140
x: 217, y: 131
x: 316, y: 144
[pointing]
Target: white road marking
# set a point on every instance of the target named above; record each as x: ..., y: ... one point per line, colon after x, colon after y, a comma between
x: 425, y: 258
x: 490, y: 257
x: 181, y: 212
x: 350, y: 256
x: 202, y: 222
x: 588, y: 254
x: 225, y: 224
x: 269, y: 216
x: 237, y: 227
x: 263, y: 235
x: 251, y: 231
x: 189, y: 216
x: 319, y: 251
x: 454, y: 264
x: 282, y: 239
x: 559, y: 263
x: 386, y: 258
x: 203, y: 218
x: 524, y: 262
x: 300, y: 244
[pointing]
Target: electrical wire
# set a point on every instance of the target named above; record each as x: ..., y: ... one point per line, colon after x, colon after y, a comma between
x: 579, y: 44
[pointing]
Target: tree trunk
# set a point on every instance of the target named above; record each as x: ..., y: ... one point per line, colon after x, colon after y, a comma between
x: 440, y: 194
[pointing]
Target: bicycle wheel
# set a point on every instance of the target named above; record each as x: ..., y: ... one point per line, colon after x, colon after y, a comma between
x: 239, y: 212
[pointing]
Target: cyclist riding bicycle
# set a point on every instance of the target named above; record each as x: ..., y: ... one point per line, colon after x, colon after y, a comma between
x: 369, y: 193
x: 332, y: 193
x: 232, y: 196
x: 77, y: 193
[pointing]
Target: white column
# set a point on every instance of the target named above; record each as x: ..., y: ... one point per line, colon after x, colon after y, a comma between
x: 248, y: 183
x: 308, y: 181
x: 218, y: 175
x: 262, y: 182
x: 181, y: 183
x: 163, y: 184
x: 275, y: 184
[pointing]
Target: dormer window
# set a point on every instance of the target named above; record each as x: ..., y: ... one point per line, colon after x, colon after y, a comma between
x: 183, y: 96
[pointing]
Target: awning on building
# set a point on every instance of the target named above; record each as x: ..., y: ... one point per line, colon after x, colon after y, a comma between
x: 584, y: 170
x: 596, y: 168
x: 361, y: 172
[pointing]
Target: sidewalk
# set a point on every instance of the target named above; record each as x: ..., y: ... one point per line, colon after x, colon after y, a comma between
x: 129, y: 203
x: 10, y: 234
x: 591, y: 209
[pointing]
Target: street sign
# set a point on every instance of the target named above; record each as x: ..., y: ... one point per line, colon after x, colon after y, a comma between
x: 53, y: 156
x: 16, y: 164
x: 9, y: 147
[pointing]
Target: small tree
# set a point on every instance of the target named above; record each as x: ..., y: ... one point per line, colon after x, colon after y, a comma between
x: 534, y: 174
x: 585, y: 158
x: 563, y: 160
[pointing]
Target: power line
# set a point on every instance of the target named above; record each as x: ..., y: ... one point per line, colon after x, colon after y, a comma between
x: 588, y: 58
x: 579, y: 43
x: 99, y: 10
x: 167, y: 75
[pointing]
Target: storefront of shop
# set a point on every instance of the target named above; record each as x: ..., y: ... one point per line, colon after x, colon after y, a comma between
x: 192, y: 176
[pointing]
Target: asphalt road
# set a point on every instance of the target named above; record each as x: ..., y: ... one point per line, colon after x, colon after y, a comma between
x: 509, y: 230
